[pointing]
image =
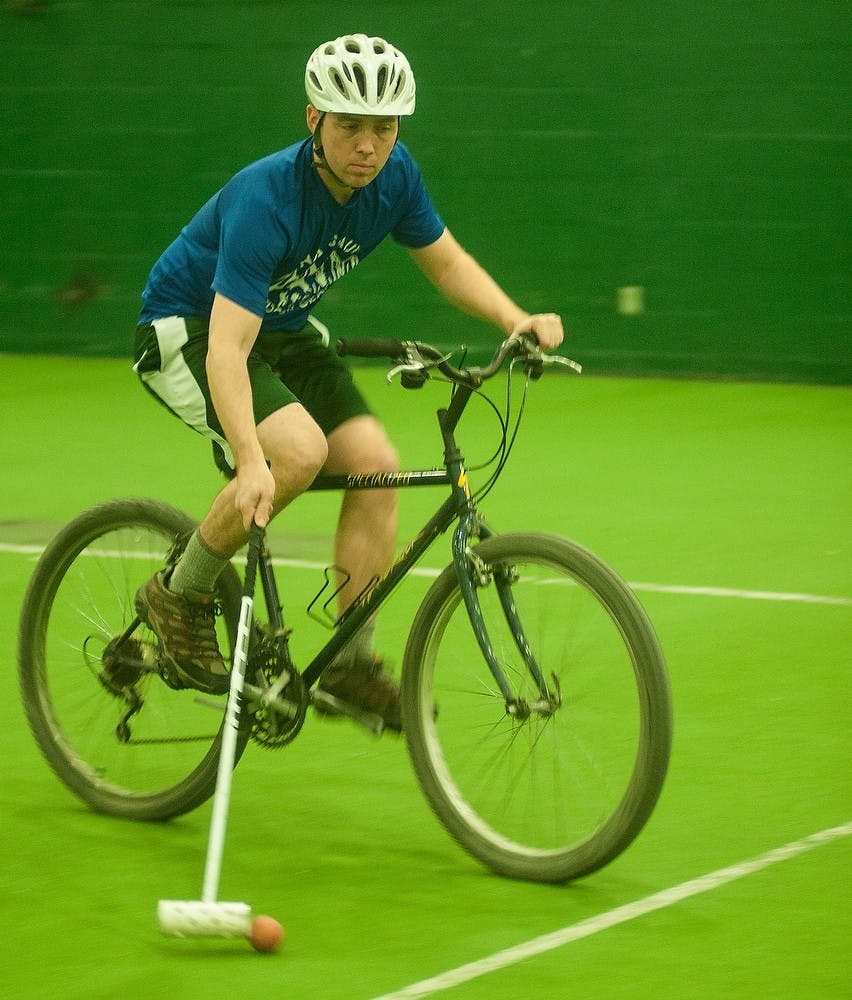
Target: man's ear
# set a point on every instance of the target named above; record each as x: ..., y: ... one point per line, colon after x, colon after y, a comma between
x: 312, y: 117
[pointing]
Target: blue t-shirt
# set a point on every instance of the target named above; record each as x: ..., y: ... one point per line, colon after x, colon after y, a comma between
x: 273, y: 240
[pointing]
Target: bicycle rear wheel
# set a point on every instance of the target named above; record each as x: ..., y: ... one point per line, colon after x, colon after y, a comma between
x: 105, y: 720
x: 558, y: 794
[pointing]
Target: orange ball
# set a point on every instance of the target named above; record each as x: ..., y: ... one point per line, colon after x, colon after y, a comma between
x: 266, y: 933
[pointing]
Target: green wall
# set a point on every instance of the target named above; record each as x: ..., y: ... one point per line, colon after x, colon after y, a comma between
x: 695, y: 150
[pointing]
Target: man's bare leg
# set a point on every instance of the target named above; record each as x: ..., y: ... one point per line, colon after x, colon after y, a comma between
x: 364, y: 546
x: 369, y: 519
x: 298, y: 447
x: 296, y: 450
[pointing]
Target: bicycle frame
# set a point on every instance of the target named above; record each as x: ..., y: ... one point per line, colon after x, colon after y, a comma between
x: 530, y: 796
x: 457, y: 506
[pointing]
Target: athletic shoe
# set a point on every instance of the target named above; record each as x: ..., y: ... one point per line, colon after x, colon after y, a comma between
x: 186, y: 627
x: 364, y: 688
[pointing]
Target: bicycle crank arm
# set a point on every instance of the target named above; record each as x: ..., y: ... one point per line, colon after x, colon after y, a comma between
x: 267, y: 699
x: 327, y: 704
x: 256, y: 696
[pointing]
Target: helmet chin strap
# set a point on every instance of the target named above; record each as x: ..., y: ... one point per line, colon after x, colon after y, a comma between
x: 320, y: 162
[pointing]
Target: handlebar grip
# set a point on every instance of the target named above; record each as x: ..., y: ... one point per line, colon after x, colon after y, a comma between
x: 370, y: 347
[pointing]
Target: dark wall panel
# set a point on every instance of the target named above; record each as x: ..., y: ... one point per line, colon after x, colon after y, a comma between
x: 698, y: 153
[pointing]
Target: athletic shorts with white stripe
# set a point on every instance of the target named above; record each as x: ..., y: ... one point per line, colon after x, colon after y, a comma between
x: 283, y: 366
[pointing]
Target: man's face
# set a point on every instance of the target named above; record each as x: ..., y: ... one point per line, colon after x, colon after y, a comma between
x: 356, y: 147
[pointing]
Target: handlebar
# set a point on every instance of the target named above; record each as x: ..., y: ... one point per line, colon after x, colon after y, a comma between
x: 414, y: 359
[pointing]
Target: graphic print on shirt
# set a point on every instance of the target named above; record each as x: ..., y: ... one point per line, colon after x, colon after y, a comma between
x: 312, y: 276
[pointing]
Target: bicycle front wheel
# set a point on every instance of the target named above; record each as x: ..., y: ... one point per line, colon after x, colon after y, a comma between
x: 561, y: 792
x: 110, y: 727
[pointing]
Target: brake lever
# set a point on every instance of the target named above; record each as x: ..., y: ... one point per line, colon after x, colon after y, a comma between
x: 413, y: 364
x: 558, y: 359
x: 535, y: 357
x: 415, y: 367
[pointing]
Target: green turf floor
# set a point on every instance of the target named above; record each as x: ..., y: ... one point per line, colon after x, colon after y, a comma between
x: 727, y: 505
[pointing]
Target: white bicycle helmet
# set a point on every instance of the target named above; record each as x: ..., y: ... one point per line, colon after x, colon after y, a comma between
x: 356, y: 74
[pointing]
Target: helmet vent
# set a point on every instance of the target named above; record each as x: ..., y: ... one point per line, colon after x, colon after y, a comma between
x: 399, y: 87
x: 381, y: 82
x: 338, y: 82
x: 360, y: 80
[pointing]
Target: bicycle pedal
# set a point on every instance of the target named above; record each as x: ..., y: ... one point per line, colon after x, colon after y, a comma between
x: 327, y: 704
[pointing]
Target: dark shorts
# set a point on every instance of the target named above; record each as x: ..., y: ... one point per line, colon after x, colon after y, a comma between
x: 284, y: 367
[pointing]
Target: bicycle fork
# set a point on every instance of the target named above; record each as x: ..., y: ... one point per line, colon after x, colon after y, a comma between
x: 473, y: 573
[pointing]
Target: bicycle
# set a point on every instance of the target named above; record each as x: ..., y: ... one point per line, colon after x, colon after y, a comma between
x: 535, y: 698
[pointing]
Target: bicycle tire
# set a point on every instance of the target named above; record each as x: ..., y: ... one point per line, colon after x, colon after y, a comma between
x: 80, y: 597
x: 554, y: 797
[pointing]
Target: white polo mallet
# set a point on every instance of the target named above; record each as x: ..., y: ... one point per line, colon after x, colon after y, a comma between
x: 208, y: 917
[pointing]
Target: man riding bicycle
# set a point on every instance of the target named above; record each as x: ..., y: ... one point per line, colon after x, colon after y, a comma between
x: 227, y: 342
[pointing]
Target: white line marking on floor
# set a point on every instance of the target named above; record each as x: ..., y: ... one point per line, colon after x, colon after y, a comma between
x: 21, y: 550
x: 748, y: 595
x: 429, y: 572
x: 612, y: 918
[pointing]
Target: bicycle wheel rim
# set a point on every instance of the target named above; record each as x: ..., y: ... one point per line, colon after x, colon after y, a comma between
x: 80, y: 598
x: 549, y: 797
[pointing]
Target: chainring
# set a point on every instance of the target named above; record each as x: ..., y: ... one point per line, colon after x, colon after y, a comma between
x: 271, y: 728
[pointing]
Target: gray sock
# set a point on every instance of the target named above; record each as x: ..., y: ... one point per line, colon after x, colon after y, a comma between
x: 198, y: 568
